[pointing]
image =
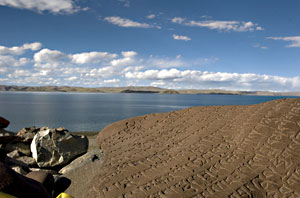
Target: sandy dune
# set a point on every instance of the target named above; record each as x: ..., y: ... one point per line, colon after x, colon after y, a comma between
x: 217, y: 151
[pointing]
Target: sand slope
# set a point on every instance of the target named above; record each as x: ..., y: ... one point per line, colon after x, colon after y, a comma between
x: 217, y: 151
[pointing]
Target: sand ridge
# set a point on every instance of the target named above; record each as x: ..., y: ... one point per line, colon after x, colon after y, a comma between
x: 214, y: 151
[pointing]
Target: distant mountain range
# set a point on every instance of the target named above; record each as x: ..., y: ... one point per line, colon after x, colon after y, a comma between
x: 139, y: 90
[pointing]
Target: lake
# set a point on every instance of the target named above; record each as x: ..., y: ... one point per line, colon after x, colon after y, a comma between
x: 93, y: 111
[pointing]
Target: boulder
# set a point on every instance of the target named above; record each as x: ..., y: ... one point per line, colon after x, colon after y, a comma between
x: 27, y: 134
x: 18, y: 146
x: 52, y: 148
x: 3, y: 122
x: 89, y: 157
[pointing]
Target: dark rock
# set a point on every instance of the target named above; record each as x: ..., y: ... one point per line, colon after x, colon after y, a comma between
x: 27, y: 160
x: 20, y: 186
x: 52, y: 148
x: 44, y: 178
x: 3, y: 122
x: 13, y: 162
x: 19, y: 146
x: 2, y: 155
x: 61, y: 184
x: 6, y: 136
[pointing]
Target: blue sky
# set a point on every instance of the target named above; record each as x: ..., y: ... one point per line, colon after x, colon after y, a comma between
x: 208, y: 44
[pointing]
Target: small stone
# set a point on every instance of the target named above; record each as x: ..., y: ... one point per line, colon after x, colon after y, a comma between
x: 53, y: 172
x: 19, y: 170
x: 61, y: 129
x: 27, y: 134
x: 14, y: 154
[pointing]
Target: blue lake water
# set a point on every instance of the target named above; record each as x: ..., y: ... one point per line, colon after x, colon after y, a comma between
x: 93, y: 111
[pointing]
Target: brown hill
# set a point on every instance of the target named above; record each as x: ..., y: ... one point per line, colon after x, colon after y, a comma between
x: 216, y: 151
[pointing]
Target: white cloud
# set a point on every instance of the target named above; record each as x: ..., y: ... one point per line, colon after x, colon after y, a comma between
x: 19, y: 50
x: 179, y: 20
x: 151, y: 16
x: 129, y: 53
x: 7, y: 61
x: 123, y: 22
x: 53, y: 6
x: 53, y: 67
x: 112, y: 80
x: 91, y: 57
x: 47, y: 58
x: 179, y: 37
x: 72, y: 78
x: 295, y: 40
x: 216, y: 80
x: 237, y: 26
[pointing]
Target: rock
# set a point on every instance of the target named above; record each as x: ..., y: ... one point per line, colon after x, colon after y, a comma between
x: 27, y: 134
x: 6, y: 136
x: 19, y: 146
x: 52, y: 148
x: 14, y: 154
x: 13, y: 163
x: 53, y: 172
x: 27, y: 160
x: 2, y: 154
x: 89, y: 157
x: 3, y: 122
x: 19, y: 170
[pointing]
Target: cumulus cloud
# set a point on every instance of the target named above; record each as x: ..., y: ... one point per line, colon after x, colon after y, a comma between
x: 91, y: 57
x: 237, y: 26
x: 216, y: 80
x: 47, y: 58
x: 179, y: 37
x: 7, y: 61
x: 54, y: 67
x: 123, y: 22
x: 295, y: 40
x: 19, y: 50
x: 53, y: 6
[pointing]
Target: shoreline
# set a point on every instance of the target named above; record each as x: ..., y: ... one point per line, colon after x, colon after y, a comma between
x: 138, y: 90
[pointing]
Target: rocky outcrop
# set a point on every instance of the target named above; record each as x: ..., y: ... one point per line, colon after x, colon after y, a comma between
x: 51, y: 147
x: 215, y: 151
